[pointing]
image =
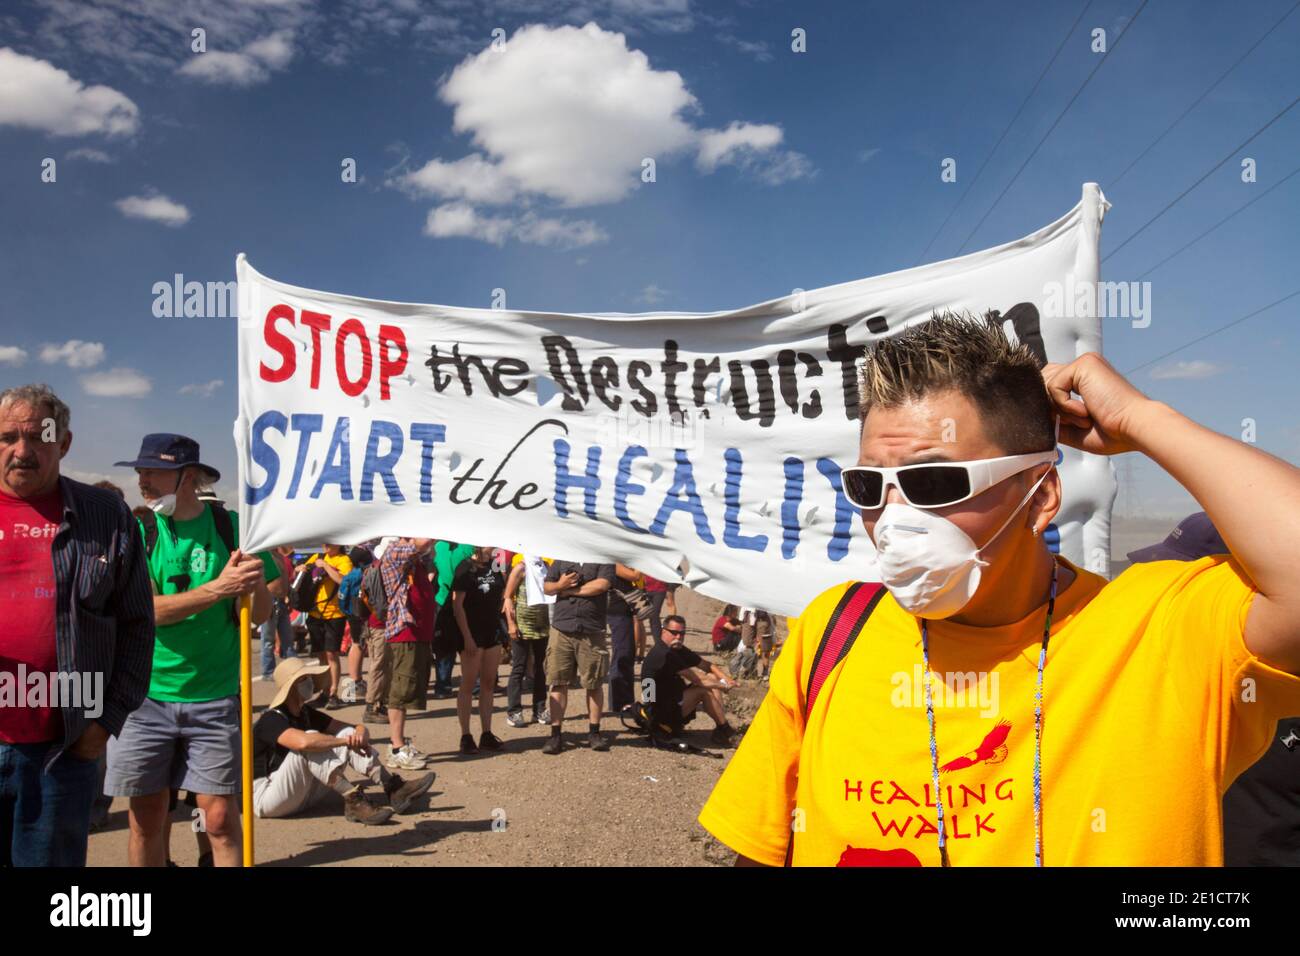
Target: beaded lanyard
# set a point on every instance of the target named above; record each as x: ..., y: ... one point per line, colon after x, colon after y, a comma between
x: 1038, y: 734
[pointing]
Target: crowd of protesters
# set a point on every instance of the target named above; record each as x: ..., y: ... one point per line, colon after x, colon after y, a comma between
x: 147, y: 601
x: 133, y: 616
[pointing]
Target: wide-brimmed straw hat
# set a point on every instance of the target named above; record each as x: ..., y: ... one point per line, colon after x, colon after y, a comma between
x: 289, y: 670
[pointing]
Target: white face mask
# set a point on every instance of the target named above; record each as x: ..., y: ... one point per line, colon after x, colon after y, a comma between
x: 930, y: 566
x: 166, y: 505
x: 306, y: 688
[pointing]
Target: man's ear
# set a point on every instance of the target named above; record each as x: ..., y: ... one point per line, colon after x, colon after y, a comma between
x: 1046, y: 502
x: 64, y: 444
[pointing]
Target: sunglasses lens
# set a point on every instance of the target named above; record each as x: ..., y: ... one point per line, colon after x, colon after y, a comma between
x: 862, y: 487
x: 931, y: 486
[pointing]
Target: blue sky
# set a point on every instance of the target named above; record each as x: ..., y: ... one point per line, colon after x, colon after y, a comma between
x: 775, y: 170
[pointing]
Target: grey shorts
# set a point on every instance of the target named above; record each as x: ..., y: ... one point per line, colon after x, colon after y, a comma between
x: 166, y: 745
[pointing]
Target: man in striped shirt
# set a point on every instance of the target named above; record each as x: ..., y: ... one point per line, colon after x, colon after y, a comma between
x: 76, y: 650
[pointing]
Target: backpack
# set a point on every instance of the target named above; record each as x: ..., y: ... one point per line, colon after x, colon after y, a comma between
x: 842, y: 629
x: 302, y: 593
x: 372, y: 592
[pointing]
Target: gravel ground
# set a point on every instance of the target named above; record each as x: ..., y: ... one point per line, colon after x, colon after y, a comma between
x: 630, y: 806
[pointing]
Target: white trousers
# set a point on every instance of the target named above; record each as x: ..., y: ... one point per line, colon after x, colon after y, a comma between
x: 305, y: 778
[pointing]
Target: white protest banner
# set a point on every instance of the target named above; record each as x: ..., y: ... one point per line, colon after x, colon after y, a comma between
x: 717, y: 438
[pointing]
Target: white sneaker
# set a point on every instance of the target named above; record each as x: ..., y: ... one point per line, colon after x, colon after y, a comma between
x: 417, y: 754
x: 516, y: 719
x: 403, y: 759
x: 544, y: 717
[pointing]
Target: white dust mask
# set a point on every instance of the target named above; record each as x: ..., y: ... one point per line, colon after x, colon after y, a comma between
x: 166, y: 505
x: 930, y: 566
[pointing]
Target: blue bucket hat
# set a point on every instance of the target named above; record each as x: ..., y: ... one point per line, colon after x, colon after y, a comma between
x: 165, y: 450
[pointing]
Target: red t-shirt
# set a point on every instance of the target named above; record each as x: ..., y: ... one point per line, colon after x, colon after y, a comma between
x: 424, y: 609
x: 720, y: 630
x: 654, y: 584
x: 29, y: 593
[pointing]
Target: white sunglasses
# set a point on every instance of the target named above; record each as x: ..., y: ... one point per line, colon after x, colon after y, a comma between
x: 935, y: 484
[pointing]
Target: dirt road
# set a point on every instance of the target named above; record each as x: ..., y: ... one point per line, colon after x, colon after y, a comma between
x: 632, y: 805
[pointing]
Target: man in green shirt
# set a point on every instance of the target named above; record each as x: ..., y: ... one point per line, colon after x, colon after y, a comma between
x: 186, y: 733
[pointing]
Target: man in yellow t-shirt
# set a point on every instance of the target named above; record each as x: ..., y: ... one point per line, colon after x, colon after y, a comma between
x: 1157, y: 688
x: 326, y: 621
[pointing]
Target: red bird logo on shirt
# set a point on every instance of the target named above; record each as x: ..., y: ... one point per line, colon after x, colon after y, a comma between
x: 992, y: 749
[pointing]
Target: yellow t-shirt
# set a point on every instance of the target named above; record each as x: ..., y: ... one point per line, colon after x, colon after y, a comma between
x: 1152, y: 706
x: 326, y: 606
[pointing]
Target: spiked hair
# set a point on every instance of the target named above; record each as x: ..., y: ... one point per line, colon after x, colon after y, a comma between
x: 973, y: 357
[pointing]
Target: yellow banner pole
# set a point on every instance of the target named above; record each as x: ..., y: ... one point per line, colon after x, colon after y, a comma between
x: 246, y: 718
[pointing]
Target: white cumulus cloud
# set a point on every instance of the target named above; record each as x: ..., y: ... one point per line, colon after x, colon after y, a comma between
x: 248, y: 67
x: 117, y: 383
x: 73, y: 353
x: 463, y: 221
x: 202, y: 389
x: 156, y: 208
x: 12, y: 355
x: 570, y: 113
x: 568, y: 116
x: 752, y: 147
x: 471, y: 178
x: 38, y: 95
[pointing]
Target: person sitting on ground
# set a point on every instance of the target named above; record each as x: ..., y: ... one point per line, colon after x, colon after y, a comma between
x: 665, y: 675
x: 300, y: 755
x: 726, y: 630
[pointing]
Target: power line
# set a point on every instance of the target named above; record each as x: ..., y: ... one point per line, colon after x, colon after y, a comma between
x: 971, y: 185
x: 1230, y: 215
x: 1207, y: 175
x: 1055, y: 124
x: 1202, y: 338
x: 1207, y: 92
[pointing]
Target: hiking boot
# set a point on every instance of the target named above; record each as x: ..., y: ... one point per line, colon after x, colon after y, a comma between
x: 467, y: 746
x: 723, y: 736
x: 357, y: 809
x: 553, y: 745
x: 374, y: 717
x: 598, y: 741
x: 403, y: 758
x: 515, y: 718
x: 401, y: 793
x: 489, y: 741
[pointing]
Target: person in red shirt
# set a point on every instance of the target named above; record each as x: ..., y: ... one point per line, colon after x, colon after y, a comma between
x: 78, y: 624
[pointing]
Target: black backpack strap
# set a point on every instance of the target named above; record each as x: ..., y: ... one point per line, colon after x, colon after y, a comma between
x: 225, y: 527
x: 149, y: 524
x: 226, y: 532
x: 842, y: 629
